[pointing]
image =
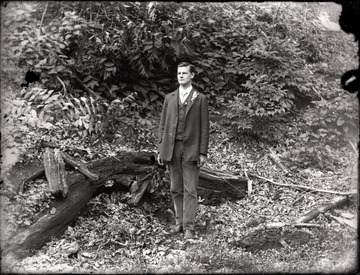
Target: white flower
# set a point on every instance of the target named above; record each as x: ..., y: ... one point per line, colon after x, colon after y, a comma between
x: 195, y: 94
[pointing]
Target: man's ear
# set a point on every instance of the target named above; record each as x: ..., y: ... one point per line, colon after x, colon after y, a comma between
x: 192, y: 75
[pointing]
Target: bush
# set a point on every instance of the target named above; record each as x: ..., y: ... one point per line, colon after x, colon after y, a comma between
x: 257, y: 57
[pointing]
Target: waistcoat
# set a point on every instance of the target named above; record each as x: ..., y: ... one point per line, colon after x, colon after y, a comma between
x: 181, y: 116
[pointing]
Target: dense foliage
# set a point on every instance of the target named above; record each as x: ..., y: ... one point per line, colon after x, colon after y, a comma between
x: 108, y: 65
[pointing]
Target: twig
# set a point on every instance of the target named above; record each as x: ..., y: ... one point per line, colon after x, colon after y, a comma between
x: 304, y: 187
x: 106, y: 12
x: 249, y: 183
x: 301, y: 197
x: 63, y: 84
x: 275, y: 159
x: 353, y: 146
x: 282, y: 224
x: 312, y: 214
x: 82, y: 84
x: 341, y: 221
x: 42, y: 17
x: 38, y: 174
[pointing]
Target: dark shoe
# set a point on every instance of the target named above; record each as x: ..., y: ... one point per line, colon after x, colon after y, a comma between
x: 189, y: 234
x: 176, y: 229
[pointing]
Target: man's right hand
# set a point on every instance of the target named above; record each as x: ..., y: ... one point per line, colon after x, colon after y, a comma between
x: 160, y: 160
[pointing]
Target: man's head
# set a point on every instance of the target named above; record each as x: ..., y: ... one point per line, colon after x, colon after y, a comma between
x: 185, y: 73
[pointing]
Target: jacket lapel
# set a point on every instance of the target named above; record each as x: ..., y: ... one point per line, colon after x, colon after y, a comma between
x: 174, y: 101
x: 189, y: 101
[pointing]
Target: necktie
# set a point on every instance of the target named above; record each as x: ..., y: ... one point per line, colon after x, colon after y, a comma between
x: 184, y: 94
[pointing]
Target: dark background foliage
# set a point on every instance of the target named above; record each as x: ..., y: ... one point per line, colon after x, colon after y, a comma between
x: 105, y: 67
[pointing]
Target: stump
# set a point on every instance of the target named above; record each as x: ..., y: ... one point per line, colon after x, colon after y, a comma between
x: 54, y: 167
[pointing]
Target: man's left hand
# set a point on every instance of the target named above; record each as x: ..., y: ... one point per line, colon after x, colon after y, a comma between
x: 202, y: 160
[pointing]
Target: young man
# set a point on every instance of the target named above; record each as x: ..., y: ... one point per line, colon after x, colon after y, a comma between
x: 183, y: 146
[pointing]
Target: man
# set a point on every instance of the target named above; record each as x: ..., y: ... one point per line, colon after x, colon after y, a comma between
x: 183, y: 146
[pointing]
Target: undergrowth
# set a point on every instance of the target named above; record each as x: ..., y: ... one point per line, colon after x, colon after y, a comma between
x: 114, y: 237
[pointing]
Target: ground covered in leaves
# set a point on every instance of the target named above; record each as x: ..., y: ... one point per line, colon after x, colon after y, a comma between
x: 111, y: 237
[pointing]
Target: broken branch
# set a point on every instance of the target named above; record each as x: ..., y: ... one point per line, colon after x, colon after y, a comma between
x: 343, y: 221
x: 282, y: 224
x: 79, y: 166
x: 275, y: 159
x: 321, y: 209
x: 353, y: 146
x: 303, y: 187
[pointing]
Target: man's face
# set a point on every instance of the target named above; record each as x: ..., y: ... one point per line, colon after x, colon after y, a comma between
x: 184, y: 76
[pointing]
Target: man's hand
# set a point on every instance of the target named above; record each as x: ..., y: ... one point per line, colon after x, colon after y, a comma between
x: 202, y: 160
x: 160, y: 160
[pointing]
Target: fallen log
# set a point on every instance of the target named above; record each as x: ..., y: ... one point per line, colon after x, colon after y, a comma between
x: 121, y: 170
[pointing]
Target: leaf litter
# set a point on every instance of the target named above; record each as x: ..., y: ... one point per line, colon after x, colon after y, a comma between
x: 110, y: 236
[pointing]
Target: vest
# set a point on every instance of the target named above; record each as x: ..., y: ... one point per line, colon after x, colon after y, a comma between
x: 181, y: 116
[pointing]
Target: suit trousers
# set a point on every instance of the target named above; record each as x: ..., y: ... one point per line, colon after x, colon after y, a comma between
x: 184, y: 178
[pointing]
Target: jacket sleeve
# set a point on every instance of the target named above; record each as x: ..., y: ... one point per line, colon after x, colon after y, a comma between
x: 162, y: 122
x: 204, y: 138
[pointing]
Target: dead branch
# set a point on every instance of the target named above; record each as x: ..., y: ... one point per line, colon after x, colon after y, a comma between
x: 79, y: 166
x: 249, y: 183
x: 42, y: 17
x: 282, y: 224
x: 303, y: 187
x: 275, y: 159
x: 63, y: 84
x: 36, y: 175
x: 322, y: 209
x: 341, y: 221
x: 353, y: 146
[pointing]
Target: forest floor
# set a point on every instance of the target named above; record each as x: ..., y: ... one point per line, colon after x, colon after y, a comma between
x: 111, y: 237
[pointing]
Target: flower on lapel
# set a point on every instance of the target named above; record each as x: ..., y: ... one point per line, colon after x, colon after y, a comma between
x: 195, y: 94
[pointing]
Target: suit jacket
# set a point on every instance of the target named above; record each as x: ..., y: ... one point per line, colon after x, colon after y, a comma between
x: 196, y: 131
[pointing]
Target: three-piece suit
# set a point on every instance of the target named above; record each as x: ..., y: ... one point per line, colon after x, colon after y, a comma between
x: 183, y: 136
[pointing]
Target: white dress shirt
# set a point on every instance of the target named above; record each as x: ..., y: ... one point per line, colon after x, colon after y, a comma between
x: 184, y: 93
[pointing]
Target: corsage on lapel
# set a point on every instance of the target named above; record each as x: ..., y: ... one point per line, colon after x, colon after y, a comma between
x: 195, y: 94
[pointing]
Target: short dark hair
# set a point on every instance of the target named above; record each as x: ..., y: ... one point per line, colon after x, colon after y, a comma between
x: 185, y: 64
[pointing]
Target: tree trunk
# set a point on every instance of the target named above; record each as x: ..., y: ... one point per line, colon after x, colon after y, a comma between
x: 119, y: 170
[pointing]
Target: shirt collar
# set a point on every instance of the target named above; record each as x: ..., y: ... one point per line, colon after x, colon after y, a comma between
x: 185, y: 91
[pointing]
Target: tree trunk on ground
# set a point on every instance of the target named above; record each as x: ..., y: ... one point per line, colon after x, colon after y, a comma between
x: 121, y: 170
